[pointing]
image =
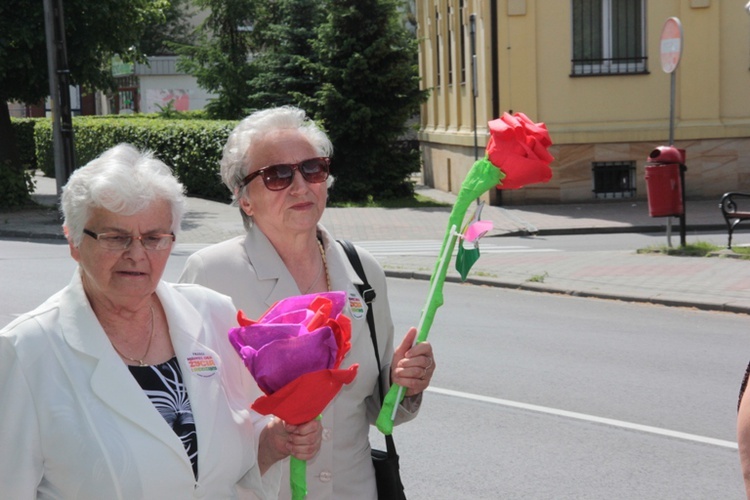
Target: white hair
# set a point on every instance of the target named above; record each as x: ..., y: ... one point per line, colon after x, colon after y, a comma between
x: 236, y: 156
x: 122, y: 180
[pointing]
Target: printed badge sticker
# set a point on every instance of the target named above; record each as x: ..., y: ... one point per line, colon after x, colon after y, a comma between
x: 202, y: 364
x: 356, y: 305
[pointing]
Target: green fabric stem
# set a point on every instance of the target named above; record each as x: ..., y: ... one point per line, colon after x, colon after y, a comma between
x: 298, y: 478
x: 482, y: 176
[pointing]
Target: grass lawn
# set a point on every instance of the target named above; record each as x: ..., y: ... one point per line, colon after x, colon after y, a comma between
x: 699, y: 249
x: 416, y: 201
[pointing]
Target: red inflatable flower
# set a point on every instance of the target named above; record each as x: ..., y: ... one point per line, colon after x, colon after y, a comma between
x: 294, y: 352
x: 518, y: 147
x: 516, y: 155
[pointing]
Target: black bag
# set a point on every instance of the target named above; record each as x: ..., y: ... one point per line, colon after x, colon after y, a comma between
x: 387, y: 474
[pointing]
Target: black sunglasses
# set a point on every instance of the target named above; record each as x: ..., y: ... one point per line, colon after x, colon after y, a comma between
x: 278, y: 177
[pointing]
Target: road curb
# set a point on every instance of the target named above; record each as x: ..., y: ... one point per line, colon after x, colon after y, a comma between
x: 539, y: 287
x: 611, y: 230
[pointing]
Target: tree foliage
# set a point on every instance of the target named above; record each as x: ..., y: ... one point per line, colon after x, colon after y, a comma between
x: 219, y: 60
x: 285, y: 65
x: 161, y: 38
x: 351, y: 64
x: 370, y: 90
x: 94, y: 30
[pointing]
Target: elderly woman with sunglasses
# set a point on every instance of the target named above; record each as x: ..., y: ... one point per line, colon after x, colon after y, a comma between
x: 276, y: 164
x: 122, y: 385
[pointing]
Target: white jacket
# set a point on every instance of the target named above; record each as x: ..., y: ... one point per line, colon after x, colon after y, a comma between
x: 74, y: 423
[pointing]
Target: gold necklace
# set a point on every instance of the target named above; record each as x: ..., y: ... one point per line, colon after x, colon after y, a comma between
x: 325, y: 264
x: 148, y: 347
x: 317, y: 277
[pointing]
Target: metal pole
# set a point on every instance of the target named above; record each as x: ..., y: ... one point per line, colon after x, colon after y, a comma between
x: 683, y: 168
x: 49, y: 31
x: 672, y: 87
x: 671, y: 107
x: 474, y: 87
x: 63, y: 82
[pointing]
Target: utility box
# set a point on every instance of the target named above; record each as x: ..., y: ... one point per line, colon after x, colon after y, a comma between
x: 664, y: 170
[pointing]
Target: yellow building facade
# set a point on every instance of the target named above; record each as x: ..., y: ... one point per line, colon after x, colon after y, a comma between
x: 590, y: 70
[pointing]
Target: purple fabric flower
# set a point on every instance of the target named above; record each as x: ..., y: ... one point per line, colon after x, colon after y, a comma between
x: 298, y: 335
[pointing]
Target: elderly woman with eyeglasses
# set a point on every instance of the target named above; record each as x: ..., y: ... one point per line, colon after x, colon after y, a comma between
x: 122, y: 385
x: 276, y: 165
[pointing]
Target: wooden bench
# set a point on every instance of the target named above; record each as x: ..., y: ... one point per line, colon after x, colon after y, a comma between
x: 735, y: 207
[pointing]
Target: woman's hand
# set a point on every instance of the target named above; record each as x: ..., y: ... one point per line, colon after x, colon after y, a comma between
x: 412, y: 366
x: 303, y: 441
x: 279, y: 440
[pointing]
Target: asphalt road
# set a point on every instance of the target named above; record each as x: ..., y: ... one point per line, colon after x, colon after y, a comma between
x: 543, y: 396
x: 536, y: 395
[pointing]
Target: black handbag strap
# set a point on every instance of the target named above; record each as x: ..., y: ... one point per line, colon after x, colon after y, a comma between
x: 368, y: 295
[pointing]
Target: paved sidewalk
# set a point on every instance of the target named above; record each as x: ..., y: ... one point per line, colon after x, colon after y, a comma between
x: 707, y: 283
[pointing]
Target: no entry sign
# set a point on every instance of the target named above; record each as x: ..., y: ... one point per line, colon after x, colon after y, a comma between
x: 670, y: 47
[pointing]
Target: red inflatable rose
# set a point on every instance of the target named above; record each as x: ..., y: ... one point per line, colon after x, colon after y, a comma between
x: 516, y: 155
x: 518, y: 147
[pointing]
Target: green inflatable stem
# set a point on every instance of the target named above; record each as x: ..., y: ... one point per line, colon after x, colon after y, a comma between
x: 298, y: 478
x: 298, y: 475
x: 482, y: 176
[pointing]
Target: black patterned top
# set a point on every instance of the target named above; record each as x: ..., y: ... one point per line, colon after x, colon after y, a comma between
x: 164, y: 387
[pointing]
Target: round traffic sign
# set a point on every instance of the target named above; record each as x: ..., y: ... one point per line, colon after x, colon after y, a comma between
x: 670, y: 46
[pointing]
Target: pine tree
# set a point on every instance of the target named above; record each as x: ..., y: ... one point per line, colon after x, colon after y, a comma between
x: 285, y: 71
x: 219, y: 61
x: 370, y: 89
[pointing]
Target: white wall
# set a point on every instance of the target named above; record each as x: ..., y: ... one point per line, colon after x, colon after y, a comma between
x: 158, y: 90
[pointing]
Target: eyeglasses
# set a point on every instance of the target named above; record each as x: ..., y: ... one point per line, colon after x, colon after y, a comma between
x: 119, y: 241
x: 278, y: 177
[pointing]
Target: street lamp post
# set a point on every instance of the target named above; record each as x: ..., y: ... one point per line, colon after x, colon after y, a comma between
x: 59, y: 92
x: 474, y: 87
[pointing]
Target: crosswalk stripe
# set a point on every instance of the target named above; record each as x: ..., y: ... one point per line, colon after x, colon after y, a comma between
x: 385, y: 248
x: 432, y: 248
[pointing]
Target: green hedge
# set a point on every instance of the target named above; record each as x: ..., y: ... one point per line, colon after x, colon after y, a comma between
x: 24, y: 130
x: 191, y: 147
x: 167, y: 114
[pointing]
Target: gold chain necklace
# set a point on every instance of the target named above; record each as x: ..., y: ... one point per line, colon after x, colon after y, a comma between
x: 325, y: 264
x: 317, y: 277
x: 148, y: 347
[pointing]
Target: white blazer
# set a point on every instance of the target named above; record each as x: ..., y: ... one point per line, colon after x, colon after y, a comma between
x: 76, y: 424
x: 248, y: 269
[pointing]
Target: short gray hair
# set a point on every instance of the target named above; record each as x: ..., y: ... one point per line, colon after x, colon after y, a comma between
x: 254, y: 128
x: 122, y: 180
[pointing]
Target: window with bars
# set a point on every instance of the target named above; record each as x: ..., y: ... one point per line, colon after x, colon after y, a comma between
x: 614, y: 179
x: 608, y: 37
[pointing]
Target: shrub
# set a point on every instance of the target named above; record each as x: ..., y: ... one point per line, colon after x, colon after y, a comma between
x: 191, y: 147
x: 24, y: 130
x: 15, y: 186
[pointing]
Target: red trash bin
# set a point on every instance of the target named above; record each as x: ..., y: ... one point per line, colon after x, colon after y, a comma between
x: 663, y: 183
